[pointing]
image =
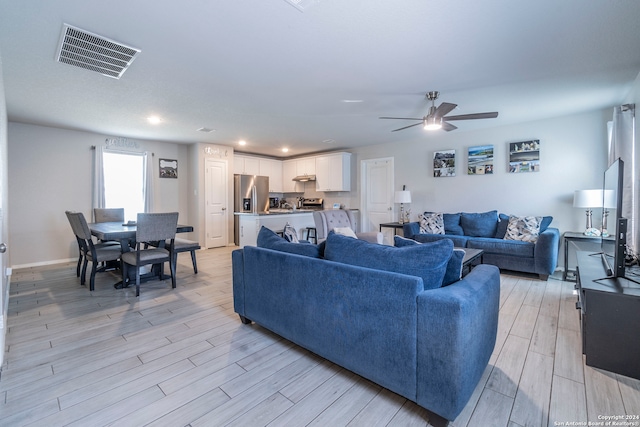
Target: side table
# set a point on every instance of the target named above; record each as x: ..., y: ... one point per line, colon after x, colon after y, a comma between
x: 394, y: 225
x: 574, y: 236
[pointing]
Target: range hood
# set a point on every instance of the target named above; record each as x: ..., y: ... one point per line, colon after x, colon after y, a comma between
x: 304, y: 178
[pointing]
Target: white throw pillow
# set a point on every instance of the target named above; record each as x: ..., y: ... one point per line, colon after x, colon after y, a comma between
x: 526, y: 228
x: 432, y: 223
x: 345, y: 231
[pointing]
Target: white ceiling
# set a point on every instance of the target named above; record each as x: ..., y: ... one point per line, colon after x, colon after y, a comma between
x: 263, y: 71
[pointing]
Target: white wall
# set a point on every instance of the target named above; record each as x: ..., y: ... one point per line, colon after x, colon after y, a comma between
x: 51, y: 170
x: 572, y: 157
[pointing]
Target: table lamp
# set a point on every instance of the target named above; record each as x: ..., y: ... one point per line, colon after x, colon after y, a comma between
x: 609, y: 197
x: 402, y: 197
x: 588, y: 199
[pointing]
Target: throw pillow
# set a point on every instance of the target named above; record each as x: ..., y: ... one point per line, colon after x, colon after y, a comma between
x: 503, y: 223
x: 453, y: 272
x: 270, y: 240
x: 432, y: 223
x: 433, y: 256
x: 526, y: 229
x: 290, y: 234
x: 479, y: 224
x: 345, y: 231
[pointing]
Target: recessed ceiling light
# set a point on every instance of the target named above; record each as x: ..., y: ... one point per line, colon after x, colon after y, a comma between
x: 352, y: 101
x: 154, y: 120
x: 285, y: 150
x: 205, y: 130
x: 242, y: 142
x: 329, y: 141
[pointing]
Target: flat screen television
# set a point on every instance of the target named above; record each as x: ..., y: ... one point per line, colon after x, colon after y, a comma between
x: 613, y: 245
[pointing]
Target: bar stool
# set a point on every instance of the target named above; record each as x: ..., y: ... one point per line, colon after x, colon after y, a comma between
x: 311, y: 233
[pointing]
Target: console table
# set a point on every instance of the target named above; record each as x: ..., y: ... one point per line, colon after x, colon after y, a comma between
x: 395, y: 225
x: 609, y: 318
x: 573, y: 237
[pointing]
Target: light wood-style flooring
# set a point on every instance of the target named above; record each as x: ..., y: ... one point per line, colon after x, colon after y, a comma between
x: 182, y: 358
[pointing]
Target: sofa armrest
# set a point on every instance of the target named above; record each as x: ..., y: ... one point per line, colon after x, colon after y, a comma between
x: 410, y: 229
x: 457, y: 328
x: 237, y: 265
x: 546, y: 251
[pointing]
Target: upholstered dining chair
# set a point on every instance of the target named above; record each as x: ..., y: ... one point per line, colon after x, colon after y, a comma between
x: 184, y: 245
x: 80, y: 247
x: 328, y: 220
x: 90, y: 251
x: 108, y: 214
x: 152, y: 227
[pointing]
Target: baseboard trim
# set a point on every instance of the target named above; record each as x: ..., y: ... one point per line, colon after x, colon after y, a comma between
x: 43, y: 263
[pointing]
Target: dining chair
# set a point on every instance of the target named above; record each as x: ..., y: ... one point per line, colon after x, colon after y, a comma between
x: 80, y: 248
x: 184, y: 245
x: 108, y: 214
x: 94, y: 252
x: 152, y: 227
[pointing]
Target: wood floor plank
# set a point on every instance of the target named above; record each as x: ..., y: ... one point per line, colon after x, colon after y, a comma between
x: 531, y: 406
x: 178, y: 357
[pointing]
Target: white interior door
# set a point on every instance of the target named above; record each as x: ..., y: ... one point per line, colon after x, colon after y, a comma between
x: 5, y: 275
x: 216, y: 180
x: 377, y: 195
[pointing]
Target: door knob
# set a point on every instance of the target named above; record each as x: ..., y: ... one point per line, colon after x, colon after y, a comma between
x: 224, y: 209
x: 3, y: 248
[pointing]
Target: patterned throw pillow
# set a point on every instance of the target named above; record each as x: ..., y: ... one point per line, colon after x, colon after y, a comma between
x: 526, y: 229
x: 290, y: 234
x: 431, y: 223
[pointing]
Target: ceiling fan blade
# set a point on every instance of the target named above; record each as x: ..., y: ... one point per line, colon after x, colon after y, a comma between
x: 400, y: 118
x: 410, y: 126
x: 448, y: 126
x: 492, y: 115
x: 444, y: 109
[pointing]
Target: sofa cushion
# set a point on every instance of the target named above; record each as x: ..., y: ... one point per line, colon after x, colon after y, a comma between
x: 501, y: 246
x: 454, y: 266
x: 458, y: 241
x: 479, y: 224
x: 270, y: 240
x: 526, y: 229
x: 431, y: 268
x: 431, y: 223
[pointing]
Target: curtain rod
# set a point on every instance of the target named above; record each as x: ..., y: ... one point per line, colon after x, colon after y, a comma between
x: 93, y: 147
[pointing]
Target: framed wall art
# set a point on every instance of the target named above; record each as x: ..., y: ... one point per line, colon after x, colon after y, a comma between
x: 480, y: 160
x: 168, y: 168
x: 444, y: 163
x: 524, y: 156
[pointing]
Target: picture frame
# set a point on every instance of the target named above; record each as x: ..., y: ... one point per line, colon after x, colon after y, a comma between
x: 444, y: 163
x: 168, y: 168
x: 524, y: 156
x: 480, y: 160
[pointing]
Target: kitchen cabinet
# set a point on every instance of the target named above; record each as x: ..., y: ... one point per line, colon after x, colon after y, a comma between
x: 306, y: 166
x: 246, y: 165
x: 289, y: 171
x: 333, y: 172
x: 272, y: 169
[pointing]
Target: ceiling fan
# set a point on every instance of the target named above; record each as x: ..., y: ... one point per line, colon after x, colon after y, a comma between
x: 436, y: 118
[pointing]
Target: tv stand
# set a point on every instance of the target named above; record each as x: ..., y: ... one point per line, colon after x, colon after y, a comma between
x: 609, y: 318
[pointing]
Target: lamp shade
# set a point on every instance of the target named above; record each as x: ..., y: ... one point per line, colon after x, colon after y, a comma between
x: 403, y: 196
x: 587, y: 199
x: 610, y: 199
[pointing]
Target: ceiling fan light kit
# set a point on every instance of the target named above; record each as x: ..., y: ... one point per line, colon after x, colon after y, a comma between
x: 437, y: 118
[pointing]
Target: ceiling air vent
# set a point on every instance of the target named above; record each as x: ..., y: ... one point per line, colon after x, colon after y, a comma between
x: 86, y: 50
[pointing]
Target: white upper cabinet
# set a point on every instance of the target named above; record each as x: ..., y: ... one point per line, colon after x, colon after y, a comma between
x: 306, y: 166
x: 333, y: 172
x: 272, y: 169
x: 290, y: 171
x: 246, y: 165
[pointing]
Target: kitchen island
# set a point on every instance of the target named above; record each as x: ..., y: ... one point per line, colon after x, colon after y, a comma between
x: 275, y: 219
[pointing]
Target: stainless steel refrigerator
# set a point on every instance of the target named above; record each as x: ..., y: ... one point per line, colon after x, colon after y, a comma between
x: 250, y: 195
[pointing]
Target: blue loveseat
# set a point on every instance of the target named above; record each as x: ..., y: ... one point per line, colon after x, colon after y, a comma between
x: 487, y: 231
x: 406, y: 332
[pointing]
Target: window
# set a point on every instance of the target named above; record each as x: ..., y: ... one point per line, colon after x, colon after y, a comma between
x: 124, y: 182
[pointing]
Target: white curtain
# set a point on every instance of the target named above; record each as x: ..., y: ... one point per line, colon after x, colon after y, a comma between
x: 148, y: 182
x: 98, y: 178
x: 622, y: 144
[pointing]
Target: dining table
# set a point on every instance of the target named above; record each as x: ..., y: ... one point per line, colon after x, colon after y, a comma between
x: 126, y: 233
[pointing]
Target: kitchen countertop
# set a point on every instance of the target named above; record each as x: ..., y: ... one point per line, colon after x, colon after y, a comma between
x: 277, y: 212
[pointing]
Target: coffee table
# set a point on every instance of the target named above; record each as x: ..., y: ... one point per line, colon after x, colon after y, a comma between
x: 470, y: 255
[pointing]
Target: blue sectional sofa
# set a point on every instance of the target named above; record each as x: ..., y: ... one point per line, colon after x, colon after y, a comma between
x: 402, y: 330
x: 487, y: 231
